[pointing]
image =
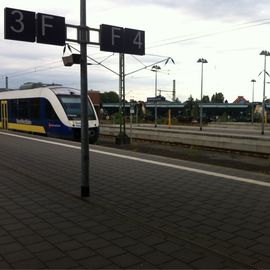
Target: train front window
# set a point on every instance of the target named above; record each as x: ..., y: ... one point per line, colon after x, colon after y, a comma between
x: 72, y: 107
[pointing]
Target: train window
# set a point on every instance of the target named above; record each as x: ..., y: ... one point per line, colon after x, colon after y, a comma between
x: 35, y: 108
x: 50, y: 114
x: 72, y: 107
x: 14, y: 108
x: 23, y: 109
x: 91, y: 113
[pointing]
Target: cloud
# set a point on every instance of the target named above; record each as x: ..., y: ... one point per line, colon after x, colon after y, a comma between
x: 214, y: 9
x: 228, y: 9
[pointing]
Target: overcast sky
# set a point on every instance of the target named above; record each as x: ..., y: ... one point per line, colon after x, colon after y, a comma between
x: 229, y: 34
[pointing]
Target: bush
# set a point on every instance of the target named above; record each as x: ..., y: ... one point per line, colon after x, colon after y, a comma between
x: 224, y: 117
x: 116, y: 117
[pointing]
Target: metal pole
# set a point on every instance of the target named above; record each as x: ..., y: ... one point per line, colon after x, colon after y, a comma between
x: 137, y: 114
x: 174, y: 88
x: 252, y: 105
x: 201, y: 107
x: 6, y: 82
x: 156, y: 99
x: 85, y: 191
x: 264, y: 72
x: 131, y: 118
x: 122, y: 138
x: 124, y: 92
x: 169, y: 119
x: 120, y: 93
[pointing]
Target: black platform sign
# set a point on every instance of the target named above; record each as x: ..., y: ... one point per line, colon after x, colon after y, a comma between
x: 19, y: 25
x: 111, y: 38
x: 122, y: 40
x: 51, y: 29
x: 28, y: 26
x: 134, y: 41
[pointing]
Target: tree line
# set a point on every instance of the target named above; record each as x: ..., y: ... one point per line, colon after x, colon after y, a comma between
x: 113, y: 97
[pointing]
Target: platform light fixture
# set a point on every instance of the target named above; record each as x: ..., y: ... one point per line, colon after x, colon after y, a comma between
x: 203, y: 61
x: 252, y: 104
x: 265, y: 54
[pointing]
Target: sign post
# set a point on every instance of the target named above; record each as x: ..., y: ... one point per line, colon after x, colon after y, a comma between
x: 122, y: 137
x: 85, y: 190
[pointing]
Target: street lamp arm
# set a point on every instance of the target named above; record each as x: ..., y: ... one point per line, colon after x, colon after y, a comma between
x: 202, y: 60
x: 265, y: 54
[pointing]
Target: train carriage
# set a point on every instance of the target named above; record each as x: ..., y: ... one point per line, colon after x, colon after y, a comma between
x: 51, y: 110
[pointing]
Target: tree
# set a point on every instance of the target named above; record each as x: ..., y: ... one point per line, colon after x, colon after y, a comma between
x: 195, y: 110
x: 206, y: 99
x: 188, y: 106
x: 217, y: 98
x: 191, y: 109
x: 109, y: 97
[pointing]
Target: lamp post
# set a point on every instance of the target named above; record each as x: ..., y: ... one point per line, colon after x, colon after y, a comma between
x: 265, y: 53
x: 266, y: 91
x: 203, y: 61
x: 252, y: 104
x: 155, y: 69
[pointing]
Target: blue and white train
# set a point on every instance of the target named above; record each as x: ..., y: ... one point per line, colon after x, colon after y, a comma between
x: 53, y: 111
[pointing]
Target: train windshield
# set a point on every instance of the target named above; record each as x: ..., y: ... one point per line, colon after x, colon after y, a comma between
x: 72, y: 107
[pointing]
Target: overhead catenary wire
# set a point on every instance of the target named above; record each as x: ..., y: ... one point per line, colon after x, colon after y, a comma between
x: 32, y: 70
x: 244, y: 25
x: 186, y: 38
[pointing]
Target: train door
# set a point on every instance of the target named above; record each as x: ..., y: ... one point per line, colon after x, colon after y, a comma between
x: 4, y: 114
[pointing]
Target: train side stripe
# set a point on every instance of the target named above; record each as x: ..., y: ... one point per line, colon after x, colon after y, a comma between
x: 28, y: 128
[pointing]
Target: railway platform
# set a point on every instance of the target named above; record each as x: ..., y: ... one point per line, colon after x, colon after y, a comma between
x: 46, y: 225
